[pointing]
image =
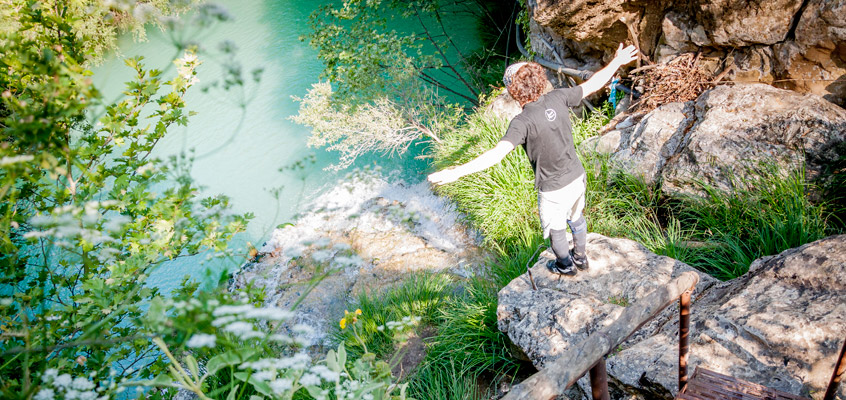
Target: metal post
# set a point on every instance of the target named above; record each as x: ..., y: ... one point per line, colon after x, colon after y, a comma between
x: 684, y: 332
x: 839, y: 369
x: 599, y: 381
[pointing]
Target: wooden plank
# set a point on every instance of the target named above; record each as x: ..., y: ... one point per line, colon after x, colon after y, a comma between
x: 710, y: 385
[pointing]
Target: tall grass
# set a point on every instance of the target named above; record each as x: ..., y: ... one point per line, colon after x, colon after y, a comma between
x: 500, y: 201
x: 764, y: 215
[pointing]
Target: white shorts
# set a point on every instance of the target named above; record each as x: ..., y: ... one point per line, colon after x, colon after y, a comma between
x: 559, y: 206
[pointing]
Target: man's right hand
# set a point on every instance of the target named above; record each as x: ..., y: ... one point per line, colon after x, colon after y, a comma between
x: 446, y: 176
x: 625, y: 55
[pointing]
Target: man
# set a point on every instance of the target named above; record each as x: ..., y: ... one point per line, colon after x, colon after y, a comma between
x: 543, y: 128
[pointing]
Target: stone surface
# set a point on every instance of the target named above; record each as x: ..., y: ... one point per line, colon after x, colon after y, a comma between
x: 645, y: 147
x: 732, y: 130
x: 781, y: 325
x: 505, y: 106
x: 363, y: 236
x: 565, y: 310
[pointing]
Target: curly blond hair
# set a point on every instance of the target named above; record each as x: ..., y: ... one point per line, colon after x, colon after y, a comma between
x: 528, y: 83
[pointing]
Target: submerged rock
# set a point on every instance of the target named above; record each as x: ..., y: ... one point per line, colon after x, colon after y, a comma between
x: 780, y: 325
x: 363, y: 236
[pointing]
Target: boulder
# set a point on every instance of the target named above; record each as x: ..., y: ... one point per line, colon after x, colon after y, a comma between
x: 780, y: 325
x: 647, y: 145
x: 565, y: 310
x: 735, y: 131
x: 728, y: 135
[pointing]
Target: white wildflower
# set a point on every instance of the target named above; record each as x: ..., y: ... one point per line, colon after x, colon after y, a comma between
x: 218, y: 322
x: 321, y: 256
x: 325, y: 373
x: 243, y: 330
x: 45, y: 394
x: 82, y: 384
x: 50, y: 375
x: 309, y: 380
x: 15, y: 159
x: 299, y: 362
x: 264, y: 375
x: 202, y: 340
x: 63, y: 381
x: 89, y: 395
x: 280, y: 386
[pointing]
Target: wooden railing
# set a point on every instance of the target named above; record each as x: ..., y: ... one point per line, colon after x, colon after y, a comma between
x: 590, y: 354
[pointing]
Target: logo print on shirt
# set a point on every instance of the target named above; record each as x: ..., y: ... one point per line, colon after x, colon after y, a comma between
x: 550, y: 114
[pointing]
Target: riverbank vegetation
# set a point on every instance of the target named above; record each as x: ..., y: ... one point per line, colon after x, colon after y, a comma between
x: 89, y: 212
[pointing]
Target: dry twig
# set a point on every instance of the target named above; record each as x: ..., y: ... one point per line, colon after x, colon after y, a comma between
x: 678, y: 80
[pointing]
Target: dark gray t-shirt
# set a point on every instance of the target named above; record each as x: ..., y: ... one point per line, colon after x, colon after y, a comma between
x: 543, y: 128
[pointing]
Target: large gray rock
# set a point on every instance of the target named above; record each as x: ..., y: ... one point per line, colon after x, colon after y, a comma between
x: 726, y: 136
x: 733, y: 130
x: 780, y: 325
x: 647, y: 145
x: 565, y: 310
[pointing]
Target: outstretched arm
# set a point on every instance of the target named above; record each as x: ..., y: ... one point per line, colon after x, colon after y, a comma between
x: 601, y: 77
x: 482, y: 162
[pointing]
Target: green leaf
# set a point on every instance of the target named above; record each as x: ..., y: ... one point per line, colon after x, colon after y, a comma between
x: 342, y: 355
x: 229, y: 358
x: 233, y: 393
x: 192, y: 366
x: 258, y: 385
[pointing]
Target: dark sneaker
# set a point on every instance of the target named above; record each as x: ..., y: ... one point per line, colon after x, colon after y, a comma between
x: 557, y: 267
x: 580, y: 262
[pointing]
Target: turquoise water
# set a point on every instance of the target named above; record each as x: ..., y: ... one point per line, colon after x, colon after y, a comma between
x: 241, y: 139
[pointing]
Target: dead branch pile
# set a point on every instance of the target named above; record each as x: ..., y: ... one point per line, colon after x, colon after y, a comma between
x: 677, y: 80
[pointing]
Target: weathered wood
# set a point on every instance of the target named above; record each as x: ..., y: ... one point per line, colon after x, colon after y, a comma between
x: 599, y: 381
x: 839, y: 369
x: 572, y: 365
x: 684, y: 332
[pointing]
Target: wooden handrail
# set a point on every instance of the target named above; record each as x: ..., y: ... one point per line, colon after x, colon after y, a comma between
x: 575, y: 362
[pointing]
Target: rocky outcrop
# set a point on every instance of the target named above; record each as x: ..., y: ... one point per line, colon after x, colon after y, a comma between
x: 726, y: 136
x: 780, y: 325
x: 792, y: 44
x: 364, y: 235
x: 565, y: 310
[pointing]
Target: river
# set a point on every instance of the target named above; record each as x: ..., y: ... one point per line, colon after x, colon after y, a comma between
x: 242, y: 140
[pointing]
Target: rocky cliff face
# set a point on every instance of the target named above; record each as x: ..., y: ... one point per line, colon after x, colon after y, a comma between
x: 798, y: 45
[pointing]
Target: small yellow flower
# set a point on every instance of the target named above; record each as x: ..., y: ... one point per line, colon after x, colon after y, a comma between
x: 357, y: 311
x: 343, y: 323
